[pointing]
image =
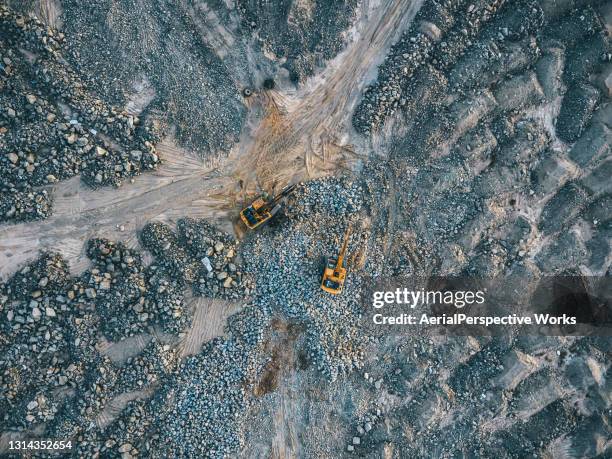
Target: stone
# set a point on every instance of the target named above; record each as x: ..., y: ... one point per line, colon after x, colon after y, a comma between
x: 356, y: 440
x: 126, y: 447
x: 36, y: 313
x: 32, y: 405
x: 207, y: 265
x: 136, y: 155
x: 13, y: 158
x: 50, y: 312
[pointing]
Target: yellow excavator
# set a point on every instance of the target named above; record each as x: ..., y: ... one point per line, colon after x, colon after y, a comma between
x: 263, y: 208
x: 334, y: 273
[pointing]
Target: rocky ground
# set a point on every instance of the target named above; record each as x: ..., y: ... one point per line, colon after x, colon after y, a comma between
x: 54, y: 128
x: 485, y: 150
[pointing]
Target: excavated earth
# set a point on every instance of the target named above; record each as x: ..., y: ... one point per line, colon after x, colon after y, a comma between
x: 139, y: 319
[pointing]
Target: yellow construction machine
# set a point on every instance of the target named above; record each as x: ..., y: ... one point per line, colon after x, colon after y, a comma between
x: 263, y: 208
x: 334, y: 273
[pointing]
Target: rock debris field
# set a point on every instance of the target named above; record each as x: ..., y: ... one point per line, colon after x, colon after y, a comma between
x: 479, y: 145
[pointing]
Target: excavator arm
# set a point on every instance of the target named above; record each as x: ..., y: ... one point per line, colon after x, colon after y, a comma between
x: 342, y: 253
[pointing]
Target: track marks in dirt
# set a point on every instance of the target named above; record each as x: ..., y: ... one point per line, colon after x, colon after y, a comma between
x: 209, y: 320
x: 301, y: 136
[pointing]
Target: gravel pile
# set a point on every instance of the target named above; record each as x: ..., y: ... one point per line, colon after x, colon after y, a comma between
x: 35, y: 336
x: 199, y: 412
x: 460, y: 192
x: 149, y: 367
x: 302, y: 37
x: 200, y: 255
x: 287, y: 263
x: 53, y: 128
x: 160, y: 55
x: 51, y: 371
x: 129, y: 297
x: 117, y: 286
x: 129, y: 431
x: 443, y: 33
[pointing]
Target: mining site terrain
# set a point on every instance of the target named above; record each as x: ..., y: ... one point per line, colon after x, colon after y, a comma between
x: 139, y: 318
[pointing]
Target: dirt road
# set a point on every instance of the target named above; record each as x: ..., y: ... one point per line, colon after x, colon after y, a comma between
x: 302, y: 135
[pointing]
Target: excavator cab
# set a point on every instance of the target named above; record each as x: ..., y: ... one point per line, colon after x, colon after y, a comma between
x: 334, y: 272
x: 263, y: 208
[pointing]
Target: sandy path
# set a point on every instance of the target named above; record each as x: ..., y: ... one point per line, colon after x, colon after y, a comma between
x: 302, y: 136
x: 114, y: 407
x: 120, y: 351
x: 209, y: 320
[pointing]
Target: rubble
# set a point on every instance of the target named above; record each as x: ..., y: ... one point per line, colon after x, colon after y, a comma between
x: 487, y: 121
x: 53, y: 127
x: 198, y: 255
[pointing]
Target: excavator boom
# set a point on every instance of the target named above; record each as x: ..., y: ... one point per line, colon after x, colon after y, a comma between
x: 344, y: 246
x: 286, y: 191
